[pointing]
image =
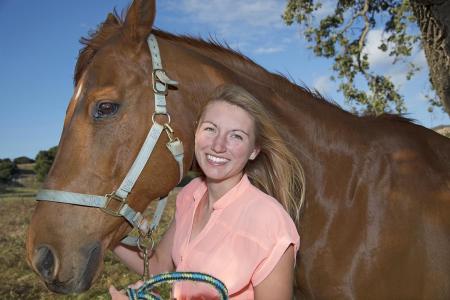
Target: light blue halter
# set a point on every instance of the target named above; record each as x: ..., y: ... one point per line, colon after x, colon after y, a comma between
x: 161, y: 83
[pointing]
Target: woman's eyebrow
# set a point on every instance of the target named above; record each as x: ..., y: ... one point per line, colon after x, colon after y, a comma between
x: 215, y: 125
x: 241, y: 131
x: 210, y: 122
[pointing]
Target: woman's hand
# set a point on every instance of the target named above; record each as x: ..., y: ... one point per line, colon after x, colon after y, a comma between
x: 160, y: 258
x: 117, y: 295
x: 121, y: 295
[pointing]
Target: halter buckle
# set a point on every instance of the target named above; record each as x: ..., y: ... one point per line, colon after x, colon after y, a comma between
x: 156, y: 79
x: 112, y: 211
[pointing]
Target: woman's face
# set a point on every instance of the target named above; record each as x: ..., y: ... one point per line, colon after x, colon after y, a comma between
x: 224, y: 141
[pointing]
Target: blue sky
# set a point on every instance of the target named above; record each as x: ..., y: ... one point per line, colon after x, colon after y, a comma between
x: 40, y: 43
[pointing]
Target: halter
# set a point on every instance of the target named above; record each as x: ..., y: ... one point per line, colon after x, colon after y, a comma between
x: 161, y: 83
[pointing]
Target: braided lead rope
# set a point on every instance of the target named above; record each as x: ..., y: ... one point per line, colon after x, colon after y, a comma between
x: 144, y: 292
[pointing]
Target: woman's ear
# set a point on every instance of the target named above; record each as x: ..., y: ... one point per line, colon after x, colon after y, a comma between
x: 255, y: 153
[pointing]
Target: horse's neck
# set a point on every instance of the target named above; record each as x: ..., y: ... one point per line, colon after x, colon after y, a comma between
x: 304, y: 119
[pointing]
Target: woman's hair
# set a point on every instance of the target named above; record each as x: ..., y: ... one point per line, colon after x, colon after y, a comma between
x: 275, y: 170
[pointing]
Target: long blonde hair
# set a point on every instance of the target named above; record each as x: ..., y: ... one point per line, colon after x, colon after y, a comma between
x: 276, y: 170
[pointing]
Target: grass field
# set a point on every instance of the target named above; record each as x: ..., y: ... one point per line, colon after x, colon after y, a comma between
x: 17, y: 280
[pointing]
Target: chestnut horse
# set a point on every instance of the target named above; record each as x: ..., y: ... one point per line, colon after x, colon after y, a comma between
x: 376, y: 219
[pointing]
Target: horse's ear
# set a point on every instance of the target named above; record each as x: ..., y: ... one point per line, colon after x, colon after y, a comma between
x: 139, y: 19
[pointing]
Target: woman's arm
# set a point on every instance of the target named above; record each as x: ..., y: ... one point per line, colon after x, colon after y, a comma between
x: 160, y: 259
x: 279, y: 283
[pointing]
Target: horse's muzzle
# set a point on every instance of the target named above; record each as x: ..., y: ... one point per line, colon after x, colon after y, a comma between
x: 47, y: 265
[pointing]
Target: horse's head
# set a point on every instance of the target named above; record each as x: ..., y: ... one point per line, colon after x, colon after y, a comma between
x: 107, y: 121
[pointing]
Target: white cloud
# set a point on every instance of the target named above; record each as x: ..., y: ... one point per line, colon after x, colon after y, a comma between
x: 250, y: 26
x: 327, y: 8
x: 382, y: 63
x: 235, y: 13
x: 377, y: 58
x: 420, y: 60
x: 268, y: 50
x: 324, y: 85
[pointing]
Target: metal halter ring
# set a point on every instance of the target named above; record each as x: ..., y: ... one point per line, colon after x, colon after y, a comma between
x: 145, y: 242
x: 165, y: 114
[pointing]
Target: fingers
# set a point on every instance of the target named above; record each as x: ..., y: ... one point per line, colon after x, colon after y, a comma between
x: 120, y: 295
x: 117, y: 295
x: 136, y: 285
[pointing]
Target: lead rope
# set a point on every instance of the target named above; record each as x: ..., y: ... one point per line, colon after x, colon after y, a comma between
x: 145, y: 291
x: 145, y: 244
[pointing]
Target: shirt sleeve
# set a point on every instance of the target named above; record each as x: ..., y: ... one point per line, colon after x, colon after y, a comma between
x: 278, y: 236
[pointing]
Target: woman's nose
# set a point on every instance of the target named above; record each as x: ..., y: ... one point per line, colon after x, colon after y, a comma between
x: 219, y: 144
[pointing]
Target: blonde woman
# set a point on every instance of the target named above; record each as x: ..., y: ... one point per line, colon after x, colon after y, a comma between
x: 236, y: 221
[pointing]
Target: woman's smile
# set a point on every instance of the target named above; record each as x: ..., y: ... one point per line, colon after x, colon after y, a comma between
x: 215, y: 160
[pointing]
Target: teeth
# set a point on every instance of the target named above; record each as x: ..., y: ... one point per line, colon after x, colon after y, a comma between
x: 216, y: 159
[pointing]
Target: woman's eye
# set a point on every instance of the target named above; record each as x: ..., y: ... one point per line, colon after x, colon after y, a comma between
x: 105, y: 109
x: 210, y: 129
x: 237, y: 136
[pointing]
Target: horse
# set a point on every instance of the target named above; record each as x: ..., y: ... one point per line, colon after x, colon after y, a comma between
x: 375, y: 223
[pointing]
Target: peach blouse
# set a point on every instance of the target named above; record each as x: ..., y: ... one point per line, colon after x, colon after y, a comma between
x: 246, y: 235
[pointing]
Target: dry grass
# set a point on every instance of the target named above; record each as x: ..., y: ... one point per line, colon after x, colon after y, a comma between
x: 17, y: 280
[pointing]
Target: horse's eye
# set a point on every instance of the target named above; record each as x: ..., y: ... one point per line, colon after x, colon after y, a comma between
x: 105, y: 109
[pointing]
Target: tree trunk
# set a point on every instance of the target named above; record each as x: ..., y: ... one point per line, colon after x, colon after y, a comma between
x: 433, y: 18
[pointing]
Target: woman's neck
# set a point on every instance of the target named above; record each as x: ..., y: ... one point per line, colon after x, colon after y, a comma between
x: 216, y: 189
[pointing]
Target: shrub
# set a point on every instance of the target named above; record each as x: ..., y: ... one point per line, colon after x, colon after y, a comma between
x: 44, y: 161
x: 7, y: 169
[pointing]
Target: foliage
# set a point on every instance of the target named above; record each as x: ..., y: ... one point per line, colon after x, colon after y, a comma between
x: 342, y: 36
x: 7, y: 170
x: 44, y: 161
x: 23, y: 160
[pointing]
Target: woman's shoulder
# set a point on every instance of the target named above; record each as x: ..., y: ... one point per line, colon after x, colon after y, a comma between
x: 263, y: 202
x: 189, y: 190
x: 193, y: 185
x: 264, y: 215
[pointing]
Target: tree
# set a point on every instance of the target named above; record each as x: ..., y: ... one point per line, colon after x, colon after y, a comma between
x: 342, y: 36
x: 44, y: 161
x: 23, y: 160
x: 7, y: 170
x: 432, y: 17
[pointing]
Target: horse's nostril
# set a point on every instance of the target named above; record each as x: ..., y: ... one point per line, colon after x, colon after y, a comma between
x: 93, y: 255
x: 44, y: 262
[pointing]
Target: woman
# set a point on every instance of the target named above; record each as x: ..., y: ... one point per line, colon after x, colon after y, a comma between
x: 228, y: 222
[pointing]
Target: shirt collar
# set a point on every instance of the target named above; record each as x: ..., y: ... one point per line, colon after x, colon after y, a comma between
x: 229, y: 196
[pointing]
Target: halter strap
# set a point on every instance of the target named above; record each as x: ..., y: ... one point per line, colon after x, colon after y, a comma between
x: 161, y: 83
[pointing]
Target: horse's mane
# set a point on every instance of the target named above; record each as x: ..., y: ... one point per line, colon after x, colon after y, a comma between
x: 238, y: 61
x: 95, y: 41
x: 212, y: 46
